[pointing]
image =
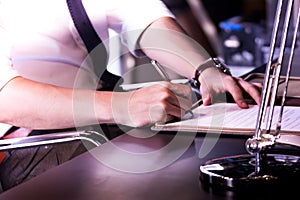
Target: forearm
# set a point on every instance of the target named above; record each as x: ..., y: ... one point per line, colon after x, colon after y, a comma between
x: 165, y: 41
x: 34, y: 105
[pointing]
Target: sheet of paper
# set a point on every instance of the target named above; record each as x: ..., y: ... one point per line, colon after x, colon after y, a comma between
x: 4, y: 128
x: 228, y: 117
x: 135, y: 86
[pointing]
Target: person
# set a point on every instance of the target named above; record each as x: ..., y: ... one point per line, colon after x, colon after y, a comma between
x: 48, y: 83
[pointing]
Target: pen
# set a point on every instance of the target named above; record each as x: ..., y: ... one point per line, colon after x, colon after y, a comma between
x: 196, y: 104
x: 165, y: 76
x: 160, y: 70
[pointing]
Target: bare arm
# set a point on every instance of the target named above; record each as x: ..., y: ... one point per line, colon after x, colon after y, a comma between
x: 165, y: 41
x: 40, y: 106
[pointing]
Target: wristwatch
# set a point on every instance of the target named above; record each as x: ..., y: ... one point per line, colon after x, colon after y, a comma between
x: 222, y: 66
x: 211, y: 62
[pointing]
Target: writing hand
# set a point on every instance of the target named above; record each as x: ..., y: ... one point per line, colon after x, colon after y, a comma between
x: 156, y: 103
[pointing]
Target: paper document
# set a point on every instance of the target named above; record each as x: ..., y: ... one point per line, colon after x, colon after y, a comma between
x: 229, y: 118
x: 134, y: 86
x: 4, y: 128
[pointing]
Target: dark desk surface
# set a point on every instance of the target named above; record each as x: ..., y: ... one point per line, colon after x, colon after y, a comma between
x: 164, y: 170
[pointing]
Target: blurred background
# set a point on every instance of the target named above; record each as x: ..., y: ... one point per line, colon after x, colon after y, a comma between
x: 238, y: 31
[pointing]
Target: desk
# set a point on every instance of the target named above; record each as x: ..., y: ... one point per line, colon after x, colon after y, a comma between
x: 86, y: 178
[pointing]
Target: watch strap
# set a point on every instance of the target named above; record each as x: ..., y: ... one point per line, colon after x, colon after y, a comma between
x: 210, y: 62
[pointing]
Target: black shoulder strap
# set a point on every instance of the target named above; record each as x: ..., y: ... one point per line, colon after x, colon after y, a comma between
x: 93, y: 44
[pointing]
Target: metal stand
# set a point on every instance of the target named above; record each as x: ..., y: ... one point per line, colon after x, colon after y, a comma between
x: 273, y: 159
x: 90, y: 139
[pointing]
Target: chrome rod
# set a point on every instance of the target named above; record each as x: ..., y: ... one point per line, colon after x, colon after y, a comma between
x: 289, y: 67
x: 263, y: 137
x: 277, y: 69
x: 266, y: 84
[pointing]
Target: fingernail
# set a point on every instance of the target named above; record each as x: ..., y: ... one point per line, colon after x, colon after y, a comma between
x: 244, y: 105
x: 205, y: 100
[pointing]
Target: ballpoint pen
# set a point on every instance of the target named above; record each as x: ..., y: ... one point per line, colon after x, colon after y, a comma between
x: 196, y: 104
x: 165, y: 76
x: 160, y: 70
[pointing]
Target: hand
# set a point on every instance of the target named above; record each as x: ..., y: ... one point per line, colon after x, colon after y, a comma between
x: 215, y: 84
x: 156, y: 103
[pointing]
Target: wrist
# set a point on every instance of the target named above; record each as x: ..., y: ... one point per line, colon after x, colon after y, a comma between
x: 210, y: 62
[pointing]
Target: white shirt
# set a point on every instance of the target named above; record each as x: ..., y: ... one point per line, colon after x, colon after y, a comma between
x: 38, y: 39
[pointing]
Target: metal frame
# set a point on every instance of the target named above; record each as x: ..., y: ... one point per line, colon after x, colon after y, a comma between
x: 90, y: 137
x: 263, y: 138
x: 273, y: 161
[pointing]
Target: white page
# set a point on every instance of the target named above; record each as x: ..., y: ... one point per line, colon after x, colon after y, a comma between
x: 4, y: 128
x: 228, y: 117
x: 134, y: 86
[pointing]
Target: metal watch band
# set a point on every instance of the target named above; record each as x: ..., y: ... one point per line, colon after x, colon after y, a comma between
x: 222, y: 66
x: 209, y: 63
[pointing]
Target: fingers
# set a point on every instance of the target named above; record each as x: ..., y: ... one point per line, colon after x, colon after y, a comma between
x: 158, y: 103
x: 238, y: 87
x: 253, y: 89
x: 214, y: 89
x: 206, y: 95
x: 236, y: 90
x: 258, y: 85
x: 179, y: 89
x: 178, y: 95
